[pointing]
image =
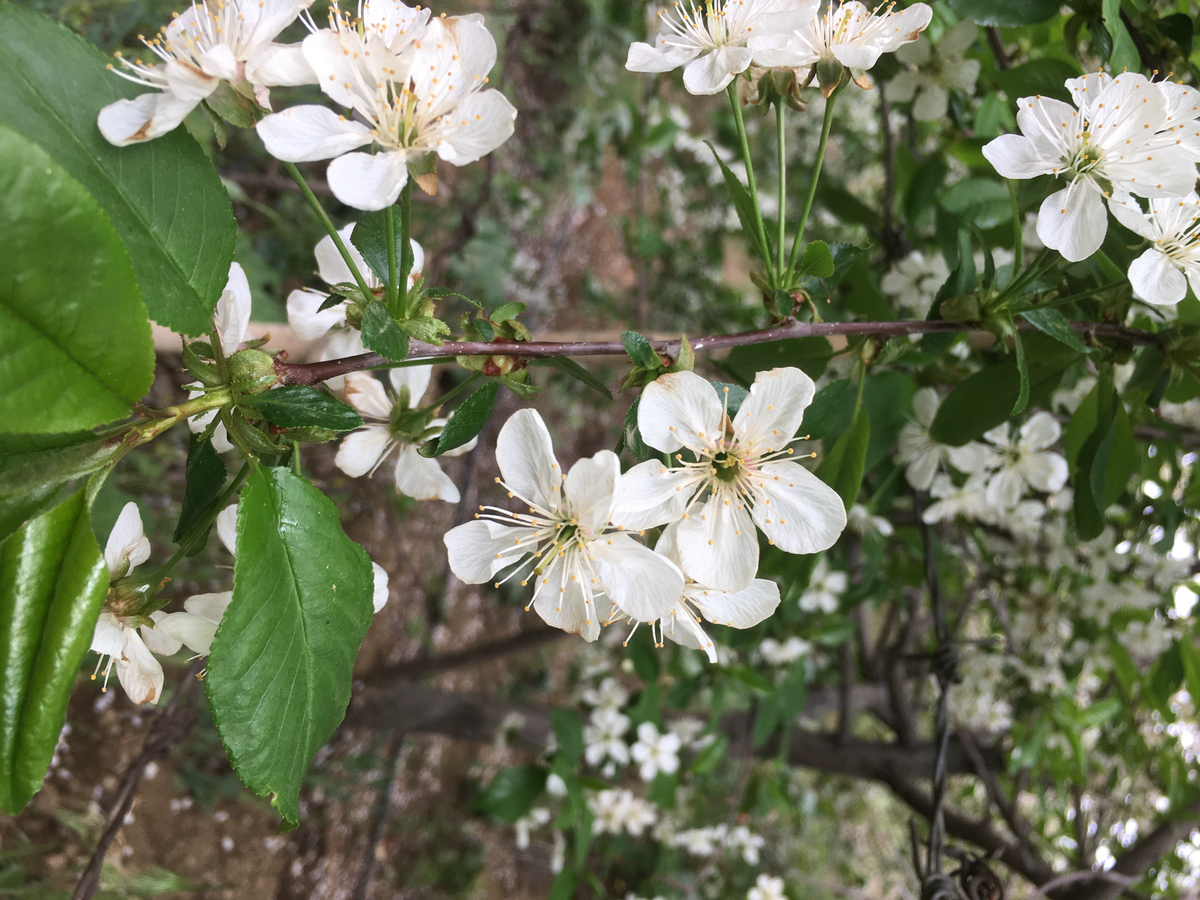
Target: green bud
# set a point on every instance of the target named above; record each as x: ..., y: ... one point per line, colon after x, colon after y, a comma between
x: 962, y: 309
x: 252, y: 371
x: 310, y: 435
x: 829, y: 76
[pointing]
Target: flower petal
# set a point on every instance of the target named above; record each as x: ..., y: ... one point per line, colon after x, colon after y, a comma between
x: 651, y: 494
x: 368, y: 182
x: 477, y: 126
x: 306, y: 317
x: 365, y: 393
x: 422, y: 478
x: 475, y: 550
x: 736, y: 609
x: 227, y: 528
x: 565, y: 602
x: 644, y: 584
x: 679, y: 410
x: 712, y: 72
x: 414, y: 380
x: 718, y: 545
x: 280, y: 65
x: 209, y: 606
x: 1073, y: 221
x: 657, y: 58
x: 139, y: 672
x: 1017, y: 156
x: 143, y: 118
x: 379, y: 591
x: 232, y: 315
x: 127, y: 542
x: 1040, y: 431
x: 361, y: 452
x: 591, y: 489
x: 525, y: 455
x: 931, y: 104
x: 109, y: 636
x: 682, y: 627
x: 805, y: 515
x: 195, y: 632
x: 1156, y: 279
x: 771, y: 415
x: 306, y: 133
x: 157, y: 641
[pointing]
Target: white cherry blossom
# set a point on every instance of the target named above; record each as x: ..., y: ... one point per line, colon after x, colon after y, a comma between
x: 711, y: 40
x: 535, y: 818
x: 231, y: 321
x: 767, y: 887
x: 915, y: 280
x: 1025, y: 461
x: 1161, y: 275
x: 739, y: 477
x: 783, y: 654
x: 825, y: 589
x: 609, y: 695
x: 655, y: 752
x: 305, y: 315
x: 127, y: 547
x: 968, y: 500
x: 935, y: 69
x: 922, y: 456
x: 604, y: 737
x: 861, y: 521
x: 225, y: 41
x: 362, y: 452
x: 430, y: 99
x: 1120, y: 139
x: 196, y: 627
x: 580, y: 568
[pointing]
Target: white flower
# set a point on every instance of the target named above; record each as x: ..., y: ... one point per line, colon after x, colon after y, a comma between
x: 655, y: 752
x: 849, y: 33
x: 563, y: 543
x: 711, y: 40
x: 825, y: 589
x: 701, y: 841
x: 609, y: 695
x: 231, y: 320
x: 227, y: 528
x: 619, y: 810
x: 535, y: 818
x: 736, y: 465
x: 915, y: 281
x: 226, y: 41
x: 362, y: 452
x: 1161, y: 275
x: 863, y: 523
x: 140, y: 674
x: 767, y: 887
x: 1025, y: 461
x: 777, y: 654
x: 968, y: 500
x: 603, y: 737
x: 935, y: 70
x: 379, y: 592
x: 639, y: 815
x: 429, y: 99
x: 127, y: 547
x: 197, y: 626
x: 744, y: 841
x: 922, y: 456
x: 305, y: 315
x: 1121, y: 134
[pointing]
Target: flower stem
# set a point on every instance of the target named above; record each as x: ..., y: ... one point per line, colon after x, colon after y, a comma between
x: 826, y: 123
x: 759, y: 227
x: 406, y: 251
x: 393, y: 292
x: 780, y: 143
x: 458, y: 389
x: 1018, y: 243
x: 298, y: 177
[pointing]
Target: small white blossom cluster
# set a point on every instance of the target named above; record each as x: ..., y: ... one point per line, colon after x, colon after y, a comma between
x: 1124, y: 138
x: 935, y: 70
x: 737, y: 478
x: 707, y: 841
x: 620, y: 810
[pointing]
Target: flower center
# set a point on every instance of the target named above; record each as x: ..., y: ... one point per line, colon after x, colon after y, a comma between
x: 727, y: 467
x: 1086, y: 159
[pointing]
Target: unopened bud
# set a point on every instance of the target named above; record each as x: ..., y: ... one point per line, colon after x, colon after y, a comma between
x: 252, y: 371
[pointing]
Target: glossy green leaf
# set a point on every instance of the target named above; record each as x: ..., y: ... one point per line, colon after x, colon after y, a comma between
x: 18, y: 509
x: 52, y: 582
x: 563, y: 886
x: 506, y: 311
x: 512, y: 793
x: 1005, y: 13
x: 924, y: 187
x: 639, y: 350
x: 281, y: 663
x: 731, y: 396
x: 468, y: 420
x: 205, y: 473
x: 1124, y: 54
x: 809, y: 354
x: 75, y: 346
x: 32, y: 461
x: 744, y: 204
x: 163, y: 197
x: 381, y: 333
x: 370, y: 239
x: 830, y: 411
x: 844, y: 257
x: 843, y: 466
x: 1053, y: 323
x: 631, y: 437
x: 568, y: 366
x: 817, y: 260
x: 301, y: 406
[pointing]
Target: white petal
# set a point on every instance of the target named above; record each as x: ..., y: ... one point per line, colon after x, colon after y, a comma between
x: 1040, y: 431
x: 109, y: 636
x: 232, y: 315
x: 805, y: 514
x: 307, y: 318
x: 1016, y: 156
x: 477, y: 126
x: 366, y: 394
x: 957, y: 40
x: 712, y: 72
x: 422, y: 478
x: 718, y: 545
x: 280, y: 65
x: 591, y: 486
x: 227, y: 528
x: 903, y: 87
x: 219, y: 62
x: 1156, y: 279
x: 1073, y: 221
x: 932, y: 103
x: 379, y: 592
x: 143, y: 118
x: 368, y: 182
x: 415, y: 379
x: 736, y: 609
x: 195, y: 632
x: 306, y: 133
x: 679, y: 410
x: 1044, y: 471
x: 973, y: 457
x: 1004, y: 489
x: 139, y: 672
x: 565, y: 603
x: 651, y: 494
x: 189, y: 83
x: 127, y: 541
x: 209, y: 606
x: 474, y: 550
x: 525, y: 455
x: 921, y: 468
x: 333, y: 269
x: 925, y: 405
x: 771, y: 415
x: 644, y: 584
x: 684, y: 630
x: 661, y: 58
x: 157, y: 641
x: 360, y: 452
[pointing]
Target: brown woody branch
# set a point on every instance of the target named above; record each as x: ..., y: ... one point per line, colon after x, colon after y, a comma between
x: 312, y: 373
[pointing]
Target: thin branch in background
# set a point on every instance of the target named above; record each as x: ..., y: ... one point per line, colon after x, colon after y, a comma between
x: 170, y: 726
x: 996, y: 42
x: 893, y: 243
x: 392, y: 754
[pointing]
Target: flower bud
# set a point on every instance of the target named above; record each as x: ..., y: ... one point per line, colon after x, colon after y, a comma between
x: 252, y: 371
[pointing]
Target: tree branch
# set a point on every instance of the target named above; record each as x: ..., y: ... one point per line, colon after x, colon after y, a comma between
x: 312, y: 373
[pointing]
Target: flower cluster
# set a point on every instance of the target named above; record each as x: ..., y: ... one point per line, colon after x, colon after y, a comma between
x: 1124, y: 138
x: 738, y: 478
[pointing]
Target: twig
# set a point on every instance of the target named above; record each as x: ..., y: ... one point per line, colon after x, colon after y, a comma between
x: 997, y: 45
x: 383, y: 807
x: 170, y: 726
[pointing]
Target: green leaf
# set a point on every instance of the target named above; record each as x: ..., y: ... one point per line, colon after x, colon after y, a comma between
x: 1092, y: 466
x: 844, y: 257
x: 1005, y: 13
x: 830, y: 411
x: 575, y: 370
x: 506, y: 311
x: 52, y: 582
x: 793, y: 691
x: 18, y: 509
x: 731, y: 396
x: 568, y: 731
x: 1023, y: 373
x: 817, y: 260
x: 1123, y: 457
x: 29, y: 462
x: 381, y: 333
x: 984, y: 202
x: 301, y: 406
x: 468, y: 420
x: 1053, y: 323
x: 766, y: 721
x: 75, y: 346
x: 842, y: 468
x: 631, y: 437
x: 662, y: 790
x: 281, y: 663
x: 1124, y: 52
x: 563, y: 887
x: 163, y: 197
x: 370, y: 239
x: 809, y: 354
x: 513, y: 792
x: 639, y: 350
x: 744, y: 205
x: 205, y: 474
x: 1045, y: 77
x: 924, y: 187
x: 1189, y: 654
